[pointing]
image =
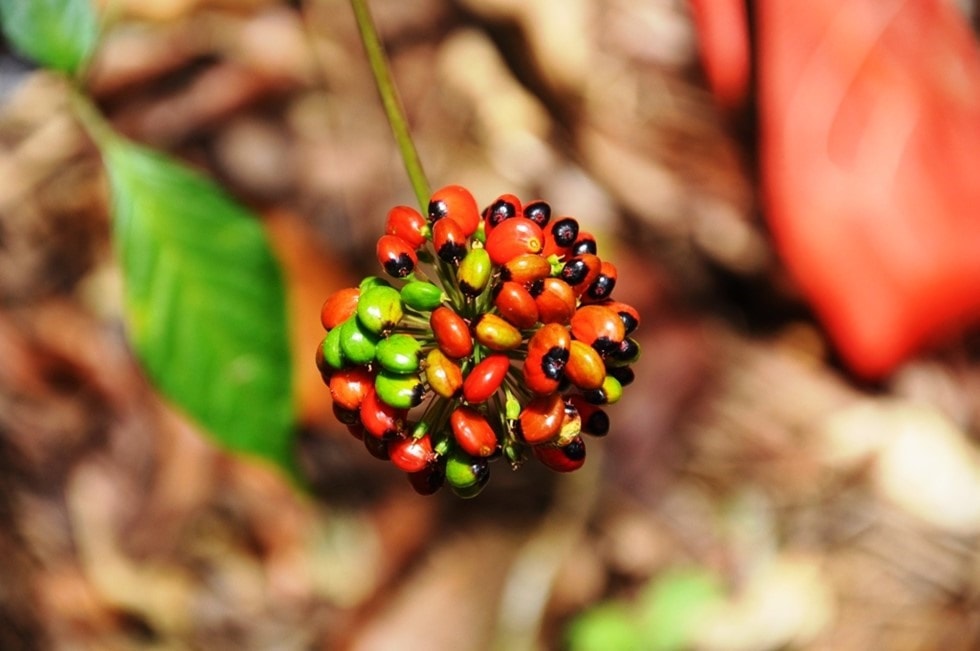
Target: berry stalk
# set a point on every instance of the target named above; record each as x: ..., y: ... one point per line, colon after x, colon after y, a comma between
x: 381, y: 70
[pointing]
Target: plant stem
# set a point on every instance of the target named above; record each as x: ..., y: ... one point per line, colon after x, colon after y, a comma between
x: 91, y: 119
x: 389, y: 99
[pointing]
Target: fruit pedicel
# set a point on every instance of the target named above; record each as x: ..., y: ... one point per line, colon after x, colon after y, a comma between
x: 506, y: 345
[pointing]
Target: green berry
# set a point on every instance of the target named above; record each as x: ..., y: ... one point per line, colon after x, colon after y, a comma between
x: 466, y: 475
x: 399, y: 391
x: 332, y: 353
x: 399, y: 353
x: 379, y: 309
x: 357, y: 343
x: 474, y: 271
x: 372, y: 281
x: 422, y: 295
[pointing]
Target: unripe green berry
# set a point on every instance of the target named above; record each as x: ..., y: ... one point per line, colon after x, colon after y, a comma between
x: 379, y: 309
x: 356, y: 342
x: 399, y: 353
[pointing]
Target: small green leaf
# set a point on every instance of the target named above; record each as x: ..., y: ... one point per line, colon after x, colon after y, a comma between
x: 673, y: 606
x: 204, y: 301
x: 609, y: 626
x: 59, y: 34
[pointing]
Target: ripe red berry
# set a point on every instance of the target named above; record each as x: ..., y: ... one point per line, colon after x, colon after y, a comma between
x: 449, y: 241
x: 451, y: 333
x: 408, y: 224
x: 457, y: 203
x: 541, y: 419
x: 580, y: 271
x: 627, y: 314
x: 585, y: 243
x: 514, y: 237
x: 380, y: 419
x: 515, y: 304
x: 555, y: 300
x: 506, y: 206
x: 566, y: 458
x: 485, y: 378
x: 396, y: 256
x: 599, y: 327
x: 349, y: 386
x: 547, y: 354
x: 376, y: 447
x: 428, y: 480
x: 411, y: 454
x: 526, y: 269
x: 538, y: 212
x: 338, y: 307
x: 602, y: 287
x: 559, y: 236
x: 594, y: 419
x: 584, y: 368
x: 472, y: 432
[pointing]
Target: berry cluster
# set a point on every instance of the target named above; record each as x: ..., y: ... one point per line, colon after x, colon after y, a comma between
x: 510, y: 350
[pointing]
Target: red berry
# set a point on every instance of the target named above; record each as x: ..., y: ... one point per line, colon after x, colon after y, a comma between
x: 396, y: 256
x: 408, y: 224
x: 485, y: 378
x: 602, y: 287
x: 538, y: 212
x: 594, y: 419
x: 515, y: 304
x: 584, y: 368
x: 555, y: 300
x: 559, y: 236
x: 580, y: 271
x: 514, y: 237
x: 449, y: 241
x: 411, y: 454
x: 584, y: 244
x: 627, y: 314
x: 428, y: 480
x: 599, y: 327
x: 472, y: 431
x: 376, y: 447
x: 566, y: 458
x: 380, y: 420
x: 506, y: 206
x: 547, y: 353
x: 451, y: 332
x: 541, y: 419
x: 338, y: 307
x: 526, y: 269
x: 457, y: 203
x: 349, y: 386
x: 349, y: 417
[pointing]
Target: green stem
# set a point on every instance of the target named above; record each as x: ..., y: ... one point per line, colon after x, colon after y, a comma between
x: 389, y: 99
x: 94, y: 123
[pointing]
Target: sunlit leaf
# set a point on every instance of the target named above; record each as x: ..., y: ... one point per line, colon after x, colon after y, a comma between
x: 673, y: 606
x: 605, y: 627
x: 59, y: 34
x: 204, y: 301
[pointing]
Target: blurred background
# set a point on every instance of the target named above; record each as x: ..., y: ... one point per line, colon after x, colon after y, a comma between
x: 753, y: 494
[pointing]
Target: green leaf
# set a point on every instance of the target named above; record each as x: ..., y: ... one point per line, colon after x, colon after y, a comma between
x: 672, y: 607
x: 204, y: 301
x: 610, y: 626
x: 59, y: 34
